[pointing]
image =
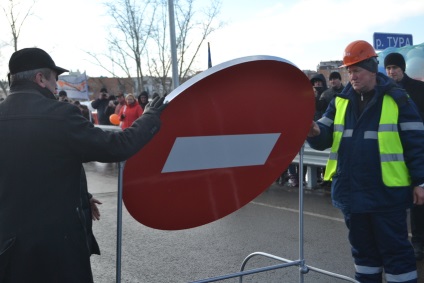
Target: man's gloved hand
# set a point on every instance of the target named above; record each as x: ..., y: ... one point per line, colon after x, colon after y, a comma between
x: 155, y: 106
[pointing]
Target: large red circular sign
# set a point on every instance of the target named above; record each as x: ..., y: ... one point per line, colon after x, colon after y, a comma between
x: 227, y: 134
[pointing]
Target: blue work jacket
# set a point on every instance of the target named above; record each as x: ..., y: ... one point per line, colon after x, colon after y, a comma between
x: 357, y: 185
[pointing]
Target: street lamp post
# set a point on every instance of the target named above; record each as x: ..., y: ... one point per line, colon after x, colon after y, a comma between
x: 175, y: 77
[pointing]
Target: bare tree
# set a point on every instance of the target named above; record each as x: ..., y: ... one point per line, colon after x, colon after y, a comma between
x: 189, y: 46
x: 3, y: 84
x: 158, y: 53
x: 139, y: 39
x: 193, y: 27
x: 16, y: 14
x: 128, y: 37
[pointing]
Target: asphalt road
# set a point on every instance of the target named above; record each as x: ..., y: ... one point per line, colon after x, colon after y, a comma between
x: 269, y: 224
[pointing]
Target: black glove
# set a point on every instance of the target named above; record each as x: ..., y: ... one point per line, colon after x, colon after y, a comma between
x: 155, y: 106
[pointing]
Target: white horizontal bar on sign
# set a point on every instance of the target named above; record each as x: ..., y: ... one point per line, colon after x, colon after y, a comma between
x: 213, y: 152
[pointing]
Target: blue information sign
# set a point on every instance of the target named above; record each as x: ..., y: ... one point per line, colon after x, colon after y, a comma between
x: 385, y: 40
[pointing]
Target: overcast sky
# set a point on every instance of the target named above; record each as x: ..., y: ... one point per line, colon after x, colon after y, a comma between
x: 304, y: 32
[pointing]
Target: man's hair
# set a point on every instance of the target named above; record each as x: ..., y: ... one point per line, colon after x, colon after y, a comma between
x: 30, y: 75
x: 395, y: 59
x: 335, y: 75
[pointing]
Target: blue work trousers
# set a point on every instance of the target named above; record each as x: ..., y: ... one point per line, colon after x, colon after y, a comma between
x: 380, y: 242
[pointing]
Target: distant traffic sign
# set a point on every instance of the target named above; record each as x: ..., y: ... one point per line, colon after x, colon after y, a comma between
x: 226, y: 135
x: 396, y: 40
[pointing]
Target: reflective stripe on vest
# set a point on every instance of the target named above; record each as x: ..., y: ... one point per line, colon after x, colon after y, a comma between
x: 393, y: 168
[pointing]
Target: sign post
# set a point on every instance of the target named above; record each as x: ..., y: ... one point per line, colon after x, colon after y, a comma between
x: 396, y: 40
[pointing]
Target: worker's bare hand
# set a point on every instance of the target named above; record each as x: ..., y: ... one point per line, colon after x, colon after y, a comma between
x: 314, y: 130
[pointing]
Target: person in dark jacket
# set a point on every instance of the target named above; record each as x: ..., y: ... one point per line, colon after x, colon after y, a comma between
x: 320, y: 85
x: 85, y: 112
x: 336, y: 87
x: 101, y: 104
x: 143, y: 99
x: 110, y: 109
x: 43, y: 233
x: 63, y: 96
x: 376, y: 165
x: 394, y: 63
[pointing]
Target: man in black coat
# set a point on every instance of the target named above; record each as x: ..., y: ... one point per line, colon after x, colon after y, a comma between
x: 336, y: 87
x: 395, y: 69
x: 101, y: 105
x: 43, y: 145
x: 320, y: 85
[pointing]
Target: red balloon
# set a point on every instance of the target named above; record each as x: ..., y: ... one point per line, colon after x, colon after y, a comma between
x: 114, y: 119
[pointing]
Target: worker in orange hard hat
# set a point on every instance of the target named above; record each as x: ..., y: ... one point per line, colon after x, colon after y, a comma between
x: 358, y: 52
x: 361, y: 54
x: 376, y: 137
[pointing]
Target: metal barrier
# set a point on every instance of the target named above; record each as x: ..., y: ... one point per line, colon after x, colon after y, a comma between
x: 300, y: 263
x: 108, y: 128
x: 313, y: 159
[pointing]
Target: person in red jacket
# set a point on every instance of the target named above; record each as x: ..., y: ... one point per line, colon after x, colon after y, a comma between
x: 130, y: 112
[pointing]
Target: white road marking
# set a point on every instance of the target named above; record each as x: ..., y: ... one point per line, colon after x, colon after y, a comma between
x: 304, y: 212
x: 297, y: 211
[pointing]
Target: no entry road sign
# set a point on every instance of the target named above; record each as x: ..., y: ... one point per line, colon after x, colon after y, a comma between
x: 227, y: 134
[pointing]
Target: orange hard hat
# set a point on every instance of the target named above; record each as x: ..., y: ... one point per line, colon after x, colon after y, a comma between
x: 356, y: 52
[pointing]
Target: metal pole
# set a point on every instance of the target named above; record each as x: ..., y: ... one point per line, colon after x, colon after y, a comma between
x: 119, y: 223
x: 175, y: 76
x: 302, y: 268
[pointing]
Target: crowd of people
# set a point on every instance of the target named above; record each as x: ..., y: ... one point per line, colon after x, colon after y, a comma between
x: 127, y: 107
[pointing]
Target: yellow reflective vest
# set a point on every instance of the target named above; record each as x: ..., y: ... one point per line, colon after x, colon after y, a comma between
x: 393, y: 167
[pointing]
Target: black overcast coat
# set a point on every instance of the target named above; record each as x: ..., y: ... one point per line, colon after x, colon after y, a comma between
x: 43, y: 144
x: 415, y: 89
